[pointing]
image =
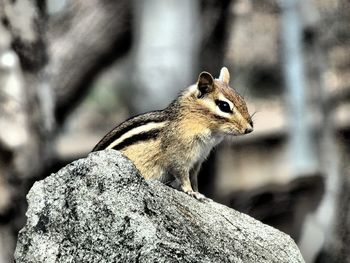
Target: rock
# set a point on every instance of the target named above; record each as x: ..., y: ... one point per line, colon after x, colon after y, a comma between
x: 99, y: 209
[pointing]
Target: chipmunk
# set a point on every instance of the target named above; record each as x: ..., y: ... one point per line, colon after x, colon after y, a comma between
x: 171, y: 144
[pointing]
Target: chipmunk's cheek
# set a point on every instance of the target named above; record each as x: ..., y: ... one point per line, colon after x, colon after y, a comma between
x: 237, y: 129
x: 230, y: 130
x: 227, y: 129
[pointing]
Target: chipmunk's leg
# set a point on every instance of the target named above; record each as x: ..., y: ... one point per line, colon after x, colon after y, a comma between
x: 194, y: 182
x: 194, y: 176
x: 183, y: 178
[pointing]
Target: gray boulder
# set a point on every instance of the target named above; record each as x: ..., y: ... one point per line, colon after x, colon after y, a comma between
x: 99, y: 209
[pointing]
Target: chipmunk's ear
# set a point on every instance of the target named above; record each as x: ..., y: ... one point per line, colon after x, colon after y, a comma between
x: 224, y: 75
x: 205, y: 83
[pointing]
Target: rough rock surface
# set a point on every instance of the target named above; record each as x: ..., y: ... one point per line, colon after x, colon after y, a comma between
x: 99, y: 209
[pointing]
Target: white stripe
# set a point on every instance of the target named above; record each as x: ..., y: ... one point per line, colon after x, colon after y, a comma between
x: 144, y: 128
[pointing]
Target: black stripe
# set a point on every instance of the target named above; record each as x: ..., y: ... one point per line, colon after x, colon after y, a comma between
x: 143, y: 136
x: 220, y: 117
x: 137, y: 121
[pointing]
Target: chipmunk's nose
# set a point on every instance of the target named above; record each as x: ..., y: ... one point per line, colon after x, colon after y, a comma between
x: 248, y: 130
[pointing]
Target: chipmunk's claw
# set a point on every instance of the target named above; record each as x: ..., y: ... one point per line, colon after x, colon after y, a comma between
x: 198, y: 196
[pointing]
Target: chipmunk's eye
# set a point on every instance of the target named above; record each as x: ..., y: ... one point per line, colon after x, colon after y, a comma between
x: 223, y: 106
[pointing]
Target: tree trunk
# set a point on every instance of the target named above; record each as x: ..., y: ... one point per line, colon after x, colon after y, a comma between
x: 26, y: 122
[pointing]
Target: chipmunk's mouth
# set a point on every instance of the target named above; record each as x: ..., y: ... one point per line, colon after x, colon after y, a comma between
x: 232, y: 132
x: 235, y: 132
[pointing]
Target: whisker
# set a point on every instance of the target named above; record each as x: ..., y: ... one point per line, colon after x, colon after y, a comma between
x: 253, y: 114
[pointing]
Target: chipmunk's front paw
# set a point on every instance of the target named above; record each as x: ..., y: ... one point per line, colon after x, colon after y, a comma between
x: 198, y: 196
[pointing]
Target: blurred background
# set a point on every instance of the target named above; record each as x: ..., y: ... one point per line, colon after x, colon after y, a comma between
x: 72, y: 70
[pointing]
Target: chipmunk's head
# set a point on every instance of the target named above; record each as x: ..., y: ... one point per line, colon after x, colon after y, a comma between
x: 223, y: 106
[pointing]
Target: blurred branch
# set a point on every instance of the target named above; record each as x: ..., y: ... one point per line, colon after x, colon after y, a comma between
x: 22, y: 56
x: 301, y: 146
x: 216, y: 20
x: 336, y: 98
x: 86, y: 38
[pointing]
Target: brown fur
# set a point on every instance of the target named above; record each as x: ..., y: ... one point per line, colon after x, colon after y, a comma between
x: 194, y: 126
